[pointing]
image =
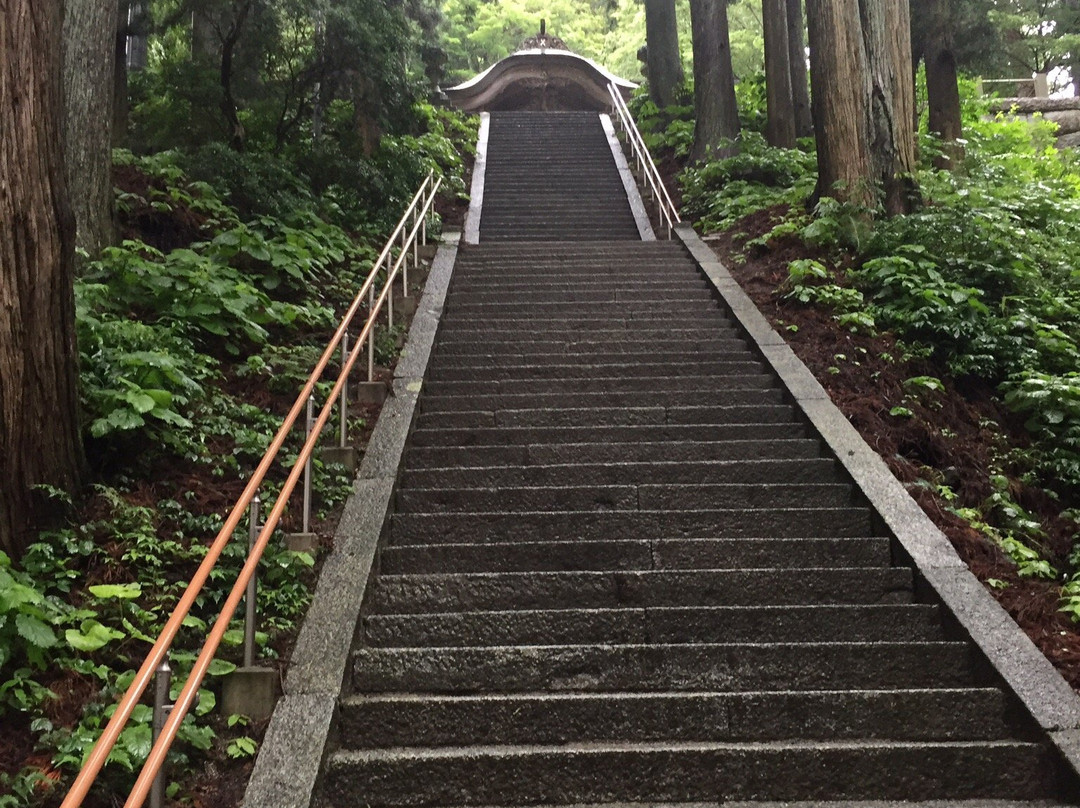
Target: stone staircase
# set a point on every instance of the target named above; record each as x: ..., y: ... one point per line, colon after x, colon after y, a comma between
x: 552, y: 176
x: 621, y: 569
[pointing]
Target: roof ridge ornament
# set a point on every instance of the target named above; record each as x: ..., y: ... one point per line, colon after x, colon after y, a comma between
x: 543, y: 40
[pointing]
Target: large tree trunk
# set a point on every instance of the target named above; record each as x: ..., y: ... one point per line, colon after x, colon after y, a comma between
x: 887, y: 32
x: 942, y: 90
x: 39, y: 431
x: 863, y: 100
x: 663, y: 58
x: 120, y: 76
x: 840, y: 87
x: 780, y: 127
x: 716, y: 110
x: 800, y: 82
x: 89, y: 55
x: 237, y: 135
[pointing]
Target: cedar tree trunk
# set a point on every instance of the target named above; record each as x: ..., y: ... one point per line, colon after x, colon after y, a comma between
x: 39, y: 430
x: 664, y: 60
x: 863, y: 100
x: 120, y: 76
x: 714, y: 80
x: 89, y: 58
x: 780, y: 128
x: 942, y: 91
x: 800, y: 81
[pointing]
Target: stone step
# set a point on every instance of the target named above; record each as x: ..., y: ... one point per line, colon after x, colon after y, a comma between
x: 547, y: 454
x: 710, y: 322
x: 724, y: 389
x: 745, y: 471
x: 716, y: 367
x: 664, y: 625
x: 629, y: 554
x: 536, y: 283
x: 626, y: 309
x: 576, y: 411
x: 728, y: 667
x: 416, y: 594
x: 597, y: 359
x: 583, y: 297
x: 396, y: 720
x: 709, y: 772
x: 518, y: 436
x: 622, y: 497
x: 596, y: 335
x: 614, y: 271
x: 448, y: 347
x: 733, y: 523
x: 600, y: 402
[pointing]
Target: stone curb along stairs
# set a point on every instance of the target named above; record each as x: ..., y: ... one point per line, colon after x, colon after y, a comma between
x: 613, y: 543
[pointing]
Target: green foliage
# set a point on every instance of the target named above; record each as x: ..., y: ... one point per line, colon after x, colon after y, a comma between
x: 720, y: 193
x: 1051, y: 404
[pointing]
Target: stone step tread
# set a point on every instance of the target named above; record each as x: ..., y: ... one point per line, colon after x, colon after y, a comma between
x: 453, y: 436
x: 641, y: 555
x: 731, y: 667
x: 419, y: 593
x: 457, y: 528
x: 687, y: 624
x: 420, y: 719
x: 510, y: 751
x: 616, y: 473
x: 625, y: 497
x: 702, y: 771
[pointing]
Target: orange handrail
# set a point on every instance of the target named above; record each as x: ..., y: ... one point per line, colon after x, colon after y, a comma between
x: 100, y: 753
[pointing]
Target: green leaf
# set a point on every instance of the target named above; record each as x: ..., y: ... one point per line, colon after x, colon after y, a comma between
x: 92, y: 637
x: 119, y: 591
x: 35, y: 631
x: 220, y: 667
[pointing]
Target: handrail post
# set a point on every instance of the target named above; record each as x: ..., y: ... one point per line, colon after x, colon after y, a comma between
x: 371, y: 337
x: 310, y: 421
x: 162, y: 685
x: 250, y: 616
x: 344, y: 390
x: 415, y: 244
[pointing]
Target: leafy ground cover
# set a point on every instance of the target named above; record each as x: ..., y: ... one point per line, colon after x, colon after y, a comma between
x: 195, y: 334
x: 949, y: 337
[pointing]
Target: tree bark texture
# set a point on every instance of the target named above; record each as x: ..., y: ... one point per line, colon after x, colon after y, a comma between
x: 229, y: 110
x: 663, y: 58
x: 39, y: 431
x: 780, y: 127
x: 120, y: 76
x: 887, y: 33
x: 800, y: 81
x: 942, y: 90
x: 863, y: 100
x: 716, y: 110
x: 839, y: 90
x: 89, y: 54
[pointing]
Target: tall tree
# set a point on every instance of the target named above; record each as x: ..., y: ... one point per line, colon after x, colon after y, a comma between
x: 800, y: 81
x: 664, y: 62
x: 89, y: 63
x: 780, y: 126
x: 39, y: 430
x: 714, y: 80
x: 933, y: 41
x: 863, y: 100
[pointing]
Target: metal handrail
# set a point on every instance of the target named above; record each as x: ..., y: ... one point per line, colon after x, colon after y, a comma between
x: 666, y: 207
x: 419, y: 210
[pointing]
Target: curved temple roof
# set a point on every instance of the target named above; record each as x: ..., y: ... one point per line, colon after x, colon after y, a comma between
x: 540, y: 79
